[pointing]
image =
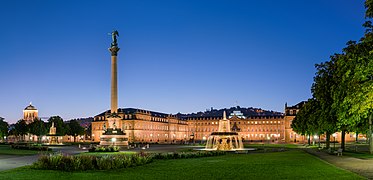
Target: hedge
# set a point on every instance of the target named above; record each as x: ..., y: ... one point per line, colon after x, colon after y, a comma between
x: 118, y: 161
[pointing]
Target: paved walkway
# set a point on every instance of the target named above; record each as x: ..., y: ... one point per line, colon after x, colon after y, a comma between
x: 10, y: 162
x: 13, y: 161
x: 363, y: 167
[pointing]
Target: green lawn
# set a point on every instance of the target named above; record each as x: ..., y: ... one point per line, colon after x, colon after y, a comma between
x: 292, y: 164
x: 360, y: 155
x: 7, y: 150
x: 291, y: 146
x: 106, y: 153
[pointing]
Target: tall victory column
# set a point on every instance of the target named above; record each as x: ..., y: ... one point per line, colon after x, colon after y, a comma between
x: 113, y: 134
x: 114, y: 81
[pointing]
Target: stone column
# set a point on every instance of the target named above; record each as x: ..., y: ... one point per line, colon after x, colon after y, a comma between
x: 114, y: 88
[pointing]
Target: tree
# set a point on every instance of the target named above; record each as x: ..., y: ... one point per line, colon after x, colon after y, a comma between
x: 38, y: 128
x: 21, y: 129
x: 306, y: 121
x: 322, y: 92
x: 369, y: 8
x: 88, y: 130
x: 75, y: 129
x: 343, y: 87
x: 4, y: 126
x: 356, y: 74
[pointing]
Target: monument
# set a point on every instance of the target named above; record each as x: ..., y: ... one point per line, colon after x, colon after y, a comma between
x: 224, y: 139
x: 52, y: 138
x: 113, y: 134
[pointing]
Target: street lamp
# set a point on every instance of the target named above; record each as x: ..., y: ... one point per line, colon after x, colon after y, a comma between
x: 113, y: 140
x: 334, y: 135
x: 314, y: 138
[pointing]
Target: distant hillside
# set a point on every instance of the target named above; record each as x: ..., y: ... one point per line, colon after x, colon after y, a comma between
x: 84, y: 122
x: 250, y: 111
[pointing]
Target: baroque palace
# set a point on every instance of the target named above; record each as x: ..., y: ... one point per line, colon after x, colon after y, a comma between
x: 130, y: 125
x: 144, y: 126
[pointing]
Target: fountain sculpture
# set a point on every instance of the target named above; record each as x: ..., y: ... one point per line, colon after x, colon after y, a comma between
x: 224, y: 139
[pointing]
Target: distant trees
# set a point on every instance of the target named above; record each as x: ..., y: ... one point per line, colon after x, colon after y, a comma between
x: 74, y: 129
x: 21, y: 129
x: 38, y: 128
x: 343, y: 89
x: 4, y: 126
x: 307, y: 120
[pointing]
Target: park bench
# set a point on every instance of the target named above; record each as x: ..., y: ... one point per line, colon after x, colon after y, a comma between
x: 339, y: 152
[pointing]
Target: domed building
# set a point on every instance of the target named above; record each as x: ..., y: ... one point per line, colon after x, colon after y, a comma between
x: 30, y: 113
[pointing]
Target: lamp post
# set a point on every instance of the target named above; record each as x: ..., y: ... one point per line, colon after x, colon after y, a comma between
x: 314, y: 137
x: 334, y: 135
x: 113, y: 140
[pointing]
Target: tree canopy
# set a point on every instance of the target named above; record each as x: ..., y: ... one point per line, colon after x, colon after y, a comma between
x: 342, y: 89
x: 74, y: 129
x: 4, y: 126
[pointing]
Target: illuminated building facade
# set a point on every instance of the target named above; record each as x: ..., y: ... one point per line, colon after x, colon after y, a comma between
x: 145, y: 126
x: 30, y: 113
x: 154, y: 127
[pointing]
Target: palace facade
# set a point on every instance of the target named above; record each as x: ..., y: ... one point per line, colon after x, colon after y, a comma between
x: 144, y: 126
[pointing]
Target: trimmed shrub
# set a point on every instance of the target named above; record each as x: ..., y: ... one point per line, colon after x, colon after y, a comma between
x: 86, y: 162
x: 104, y: 162
x: 36, y: 147
x: 104, y: 149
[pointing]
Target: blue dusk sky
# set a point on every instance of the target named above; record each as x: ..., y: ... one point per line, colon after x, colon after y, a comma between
x: 176, y: 55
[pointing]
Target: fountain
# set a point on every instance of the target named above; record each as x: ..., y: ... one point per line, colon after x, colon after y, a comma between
x: 224, y: 139
x: 52, y: 137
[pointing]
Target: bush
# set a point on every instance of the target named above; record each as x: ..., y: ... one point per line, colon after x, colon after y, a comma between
x: 86, y: 162
x: 104, y: 162
x: 35, y: 147
x: 104, y: 149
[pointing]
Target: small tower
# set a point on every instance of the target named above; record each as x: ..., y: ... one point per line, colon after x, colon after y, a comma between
x: 30, y: 113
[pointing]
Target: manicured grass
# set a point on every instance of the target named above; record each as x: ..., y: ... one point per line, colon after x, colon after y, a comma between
x: 7, y: 150
x: 294, y: 164
x: 106, y: 153
x: 291, y: 146
x: 360, y: 155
